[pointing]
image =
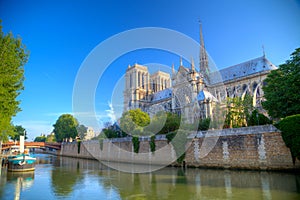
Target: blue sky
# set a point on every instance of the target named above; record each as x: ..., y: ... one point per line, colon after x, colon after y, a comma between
x: 61, y: 34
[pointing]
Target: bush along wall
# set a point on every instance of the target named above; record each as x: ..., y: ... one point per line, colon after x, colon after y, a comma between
x: 290, y: 131
x: 152, y: 143
x: 136, y: 144
x: 101, y: 143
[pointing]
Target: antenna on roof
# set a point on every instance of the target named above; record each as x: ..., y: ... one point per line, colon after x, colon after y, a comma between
x: 263, y: 48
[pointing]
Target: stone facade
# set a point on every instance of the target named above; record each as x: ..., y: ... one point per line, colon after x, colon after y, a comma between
x: 194, y: 93
x: 259, y: 147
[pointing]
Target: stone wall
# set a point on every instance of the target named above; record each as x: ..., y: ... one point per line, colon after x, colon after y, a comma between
x: 258, y: 147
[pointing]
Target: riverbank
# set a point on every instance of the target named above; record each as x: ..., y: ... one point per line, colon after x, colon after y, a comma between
x: 253, y: 148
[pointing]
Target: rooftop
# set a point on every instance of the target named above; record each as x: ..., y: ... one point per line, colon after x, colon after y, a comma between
x: 247, y: 68
x: 163, y: 94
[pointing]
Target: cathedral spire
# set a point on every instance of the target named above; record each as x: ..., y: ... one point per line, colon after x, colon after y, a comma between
x: 180, y: 61
x: 192, y: 64
x: 204, y: 69
x: 173, y: 70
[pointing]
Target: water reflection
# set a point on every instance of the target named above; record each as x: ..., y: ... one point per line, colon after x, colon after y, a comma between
x: 71, y: 178
x: 22, y: 181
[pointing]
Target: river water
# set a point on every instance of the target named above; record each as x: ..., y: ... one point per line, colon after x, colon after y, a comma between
x: 70, y: 178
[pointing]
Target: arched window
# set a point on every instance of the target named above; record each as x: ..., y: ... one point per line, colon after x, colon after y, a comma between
x: 244, y: 87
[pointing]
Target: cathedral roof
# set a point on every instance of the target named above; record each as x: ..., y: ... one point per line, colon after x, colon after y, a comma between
x: 163, y: 94
x: 206, y: 95
x: 247, y: 68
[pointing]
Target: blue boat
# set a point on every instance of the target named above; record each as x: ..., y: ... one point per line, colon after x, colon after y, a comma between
x: 20, y: 159
x: 21, y: 162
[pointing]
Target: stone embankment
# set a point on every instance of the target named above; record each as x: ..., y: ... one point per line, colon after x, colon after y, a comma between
x: 257, y: 147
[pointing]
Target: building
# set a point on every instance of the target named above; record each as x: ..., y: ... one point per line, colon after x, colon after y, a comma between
x: 194, y: 93
x: 89, y: 133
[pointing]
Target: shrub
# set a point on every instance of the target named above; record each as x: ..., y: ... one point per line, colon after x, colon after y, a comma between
x: 136, y: 144
x: 290, y: 131
x: 101, y: 143
x: 257, y: 118
x: 170, y: 136
x: 152, y: 143
x: 204, y: 124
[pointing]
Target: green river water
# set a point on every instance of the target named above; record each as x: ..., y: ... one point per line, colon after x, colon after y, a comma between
x: 70, y: 178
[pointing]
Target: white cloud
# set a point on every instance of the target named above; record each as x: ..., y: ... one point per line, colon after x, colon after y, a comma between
x: 110, y: 113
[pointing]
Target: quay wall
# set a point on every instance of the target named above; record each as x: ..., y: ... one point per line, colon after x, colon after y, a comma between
x: 257, y: 147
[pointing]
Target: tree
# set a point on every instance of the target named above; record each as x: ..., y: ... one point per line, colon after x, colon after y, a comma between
x: 65, y: 127
x: 50, y: 138
x: 290, y: 131
x: 204, y: 124
x: 282, y: 88
x: 257, y: 118
x: 133, y: 121
x: 238, y: 111
x: 18, y: 130
x: 41, y: 138
x: 81, y: 130
x: 13, y: 57
x: 163, y: 123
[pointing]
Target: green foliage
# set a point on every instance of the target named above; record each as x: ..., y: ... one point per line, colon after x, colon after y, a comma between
x: 81, y: 130
x: 170, y: 136
x: 65, y: 127
x: 109, y: 133
x: 101, y: 143
x: 172, y: 123
x: 204, y: 124
x: 40, y: 139
x: 13, y: 56
x: 139, y: 117
x: 50, y: 138
x: 282, y: 88
x: 257, y: 118
x: 290, y: 131
x: 136, y: 144
x: 152, y: 143
x: 134, y: 120
x: 64, y: 180
x: 163, y: 123
x: 157, y: 123
x: 18, y: 131
x: 238, y: 111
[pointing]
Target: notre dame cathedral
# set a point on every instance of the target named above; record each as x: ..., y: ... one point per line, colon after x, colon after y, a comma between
x: 193, y: 93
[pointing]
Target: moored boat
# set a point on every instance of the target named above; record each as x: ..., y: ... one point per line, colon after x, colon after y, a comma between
x: 20, y: 159
x: 21, y: 162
